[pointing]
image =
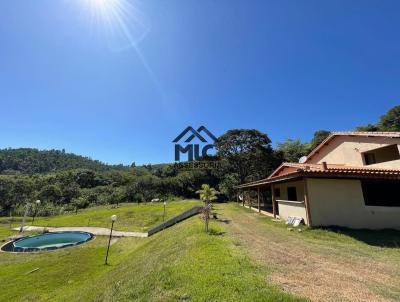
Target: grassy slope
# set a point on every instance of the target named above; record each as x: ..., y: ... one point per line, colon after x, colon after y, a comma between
x: 180, y: 263
x: 131, y: 217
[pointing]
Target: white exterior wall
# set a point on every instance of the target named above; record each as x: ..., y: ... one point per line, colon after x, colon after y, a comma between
x: 292, y: 209
x: 287, y: 208
x: 340, y: 202
x: 347, y: 150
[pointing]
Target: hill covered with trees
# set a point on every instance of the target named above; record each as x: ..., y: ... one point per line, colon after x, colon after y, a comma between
x: 30, y: 161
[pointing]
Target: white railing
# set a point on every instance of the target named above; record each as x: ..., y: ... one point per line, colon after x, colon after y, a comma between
x: 290, y: 201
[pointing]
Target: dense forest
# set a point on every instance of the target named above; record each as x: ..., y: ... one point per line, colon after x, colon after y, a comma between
x: 69, y: 182
x: 30, y: 161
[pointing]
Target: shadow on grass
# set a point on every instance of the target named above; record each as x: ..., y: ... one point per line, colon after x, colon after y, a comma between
x: 226, y: 221
x: 213, y: 232
x: 382, y: 238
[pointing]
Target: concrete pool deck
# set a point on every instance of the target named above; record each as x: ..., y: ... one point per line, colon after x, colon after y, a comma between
x: 106, y: 232
x: 94, y: 230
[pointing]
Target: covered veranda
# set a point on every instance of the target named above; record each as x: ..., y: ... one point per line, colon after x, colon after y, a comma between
x: 257, y: 198
x: 278, y: 198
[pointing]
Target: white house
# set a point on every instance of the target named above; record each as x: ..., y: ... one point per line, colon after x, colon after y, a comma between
x: 352, y: 179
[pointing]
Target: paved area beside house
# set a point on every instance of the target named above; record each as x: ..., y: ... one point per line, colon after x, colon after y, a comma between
x: 94, y: 230
x: 255, y: 209
x: 319, y: 269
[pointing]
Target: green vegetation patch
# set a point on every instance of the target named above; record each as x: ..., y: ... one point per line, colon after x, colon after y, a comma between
x: 181, y: 263
x: 131, y: 217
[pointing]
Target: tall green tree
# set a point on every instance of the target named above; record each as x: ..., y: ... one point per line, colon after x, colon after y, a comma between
x: 387, y: 122
x: 50, y: 193
x: 391, y: 120
x: 292, y: 150
x: 227, y: 184
x: 319, y: 137
x: 246, y: 152
x: 368, y: 128
x: 79, y: 203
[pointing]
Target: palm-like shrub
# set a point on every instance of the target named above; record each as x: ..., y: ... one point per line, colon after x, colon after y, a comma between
x: 207, y: 195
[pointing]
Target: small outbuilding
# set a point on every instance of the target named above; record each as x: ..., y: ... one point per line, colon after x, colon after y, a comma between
x: 352, y: 179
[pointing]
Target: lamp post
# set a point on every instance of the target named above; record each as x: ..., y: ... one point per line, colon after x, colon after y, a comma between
x: 37, y: 202
x: 165, y: 203
x: 113, y: 219
x: 21, y: 229
x: 11, y: 217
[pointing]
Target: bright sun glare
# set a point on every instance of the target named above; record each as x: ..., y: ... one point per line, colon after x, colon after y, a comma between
x: 102, y: 5
x: 124, y: 24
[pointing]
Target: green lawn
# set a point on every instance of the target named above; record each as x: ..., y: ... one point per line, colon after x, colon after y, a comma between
x: 240, y: 260
x: 181, y: 263
x: 131, y: 217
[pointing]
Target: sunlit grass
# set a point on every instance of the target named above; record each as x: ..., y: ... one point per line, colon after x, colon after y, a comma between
x: 179, y: 263
x: 131, y: 217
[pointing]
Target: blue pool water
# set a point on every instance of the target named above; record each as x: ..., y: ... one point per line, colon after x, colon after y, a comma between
x: 48, y: 241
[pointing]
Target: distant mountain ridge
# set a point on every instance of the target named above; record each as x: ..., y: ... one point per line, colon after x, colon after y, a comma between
x: 31, y: 160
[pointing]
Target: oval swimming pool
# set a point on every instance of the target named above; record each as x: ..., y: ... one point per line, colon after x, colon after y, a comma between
x: 47, y: 241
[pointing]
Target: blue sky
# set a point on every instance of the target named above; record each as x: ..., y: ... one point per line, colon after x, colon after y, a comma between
x: 287, y: 68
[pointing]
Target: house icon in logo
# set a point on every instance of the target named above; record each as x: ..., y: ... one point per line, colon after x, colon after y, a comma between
x: 193, y: 150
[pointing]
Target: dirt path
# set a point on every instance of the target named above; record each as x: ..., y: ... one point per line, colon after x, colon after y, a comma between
x: 315, y: 268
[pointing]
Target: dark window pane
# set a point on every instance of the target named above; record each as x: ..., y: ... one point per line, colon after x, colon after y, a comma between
x: 381, y: 155
x: 369, y: 158
x: 277, y: 192
x: 381, y: 193
x: 292, y: 193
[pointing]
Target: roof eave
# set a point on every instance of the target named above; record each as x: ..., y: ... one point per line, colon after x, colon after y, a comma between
x: 320, y: 174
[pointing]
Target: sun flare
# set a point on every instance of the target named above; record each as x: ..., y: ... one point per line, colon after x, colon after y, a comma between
x: 102, y: 5
x: 122, y: 21
x: 123, y: 25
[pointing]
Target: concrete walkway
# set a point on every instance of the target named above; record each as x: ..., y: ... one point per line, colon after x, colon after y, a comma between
x: 105, y: 231
x: 269, y: 214
x: 93, y: 230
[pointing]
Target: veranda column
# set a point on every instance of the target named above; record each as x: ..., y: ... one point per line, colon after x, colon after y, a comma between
x: 306, y: 203
x: 249, y: 199
x: 258, y: 199
x: 273, y: 200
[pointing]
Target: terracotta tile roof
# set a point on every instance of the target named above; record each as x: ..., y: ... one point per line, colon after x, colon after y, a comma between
x: 336, y: 167
x: 352, y: 133
x: 332, y: 167
x: 364, y: 133
x: 330, y: 171
x: 305, y: 166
